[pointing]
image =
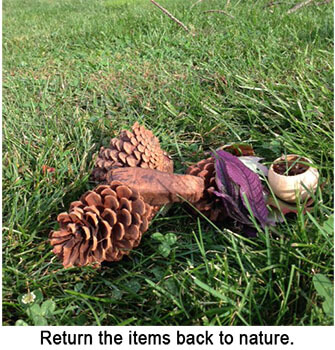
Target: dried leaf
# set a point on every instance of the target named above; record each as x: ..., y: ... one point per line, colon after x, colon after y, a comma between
x: 253, y: 163
x: 239, y: 149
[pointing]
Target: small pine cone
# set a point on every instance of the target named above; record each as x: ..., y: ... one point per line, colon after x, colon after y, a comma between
x: 139, y: 148
x: 105, y: 224
x: 209, y: 205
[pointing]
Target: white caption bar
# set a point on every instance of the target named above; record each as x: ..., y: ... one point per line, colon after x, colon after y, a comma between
x: 155, y: 337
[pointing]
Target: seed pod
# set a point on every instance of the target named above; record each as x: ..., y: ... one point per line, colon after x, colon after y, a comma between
x: 157, y: 187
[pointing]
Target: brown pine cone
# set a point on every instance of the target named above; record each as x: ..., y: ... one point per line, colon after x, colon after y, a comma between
x: 209, y: 205
x: 105, y: 224
x: 139, y: 148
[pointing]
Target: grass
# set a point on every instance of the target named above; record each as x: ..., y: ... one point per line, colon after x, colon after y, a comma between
x: 76, y: 72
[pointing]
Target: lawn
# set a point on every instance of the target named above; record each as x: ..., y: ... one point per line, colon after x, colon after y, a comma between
x: 77, y: 72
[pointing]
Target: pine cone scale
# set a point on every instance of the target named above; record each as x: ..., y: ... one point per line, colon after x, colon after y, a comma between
x: 144, y: 225
x: 125, y: 217
x: 118, y: 232
x: 60, y: 240
x: 110, y: 216
x: 111, y: 202
x: 132, y: 232
x: 125, y: 203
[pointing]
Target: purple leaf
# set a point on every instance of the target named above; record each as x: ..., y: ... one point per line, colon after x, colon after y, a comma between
x: 232, y: 208
x: 235, y: 179
x: 222, y: 179
x: 249, y: 231
x: 229, y: 193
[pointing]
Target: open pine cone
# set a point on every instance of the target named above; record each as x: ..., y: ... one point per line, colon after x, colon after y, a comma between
x: 136, y: 148
x: 105, y: 224
x: 209, y: 205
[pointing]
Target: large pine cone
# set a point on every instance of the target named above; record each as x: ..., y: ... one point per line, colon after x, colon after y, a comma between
x: 105, y: 224
x: 139, y: 148
x: 209, y: 205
